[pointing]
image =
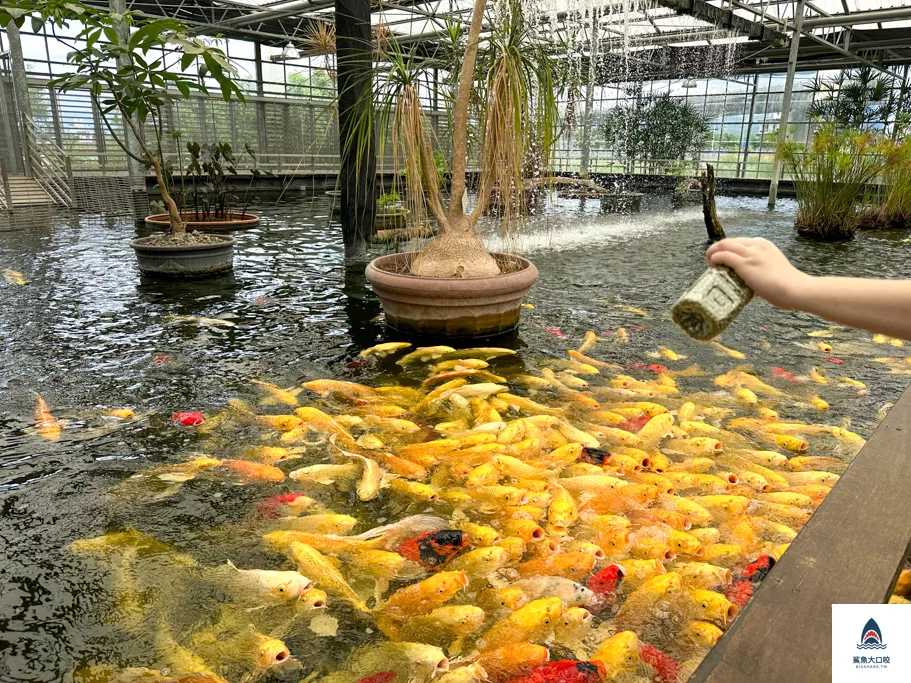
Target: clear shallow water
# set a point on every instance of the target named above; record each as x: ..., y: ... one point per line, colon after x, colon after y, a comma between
x: 87, y: 334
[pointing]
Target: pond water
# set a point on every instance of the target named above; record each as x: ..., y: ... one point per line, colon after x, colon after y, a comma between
x: 88, y: 335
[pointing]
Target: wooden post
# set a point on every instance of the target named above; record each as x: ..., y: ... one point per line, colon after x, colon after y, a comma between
x: 357, y: 175
x: 707, y: 185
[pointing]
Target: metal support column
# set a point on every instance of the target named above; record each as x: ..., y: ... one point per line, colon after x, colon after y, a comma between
x: 746, y: 151
x: 589, y: 98
x: 261, y: 134
x: 357, y: 175
x: 786, y: 99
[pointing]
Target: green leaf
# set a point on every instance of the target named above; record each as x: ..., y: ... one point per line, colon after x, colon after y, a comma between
x: 37, y: 23
x: 183, y: 88
x: 186, y: 61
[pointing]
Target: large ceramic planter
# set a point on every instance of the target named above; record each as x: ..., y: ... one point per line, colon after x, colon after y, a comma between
x: 237, y: 221
x: 450, y: 307
x: 185, y: 262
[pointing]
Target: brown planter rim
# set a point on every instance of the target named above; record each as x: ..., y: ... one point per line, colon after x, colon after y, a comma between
x: 238, y: 220
x: 456, y: 288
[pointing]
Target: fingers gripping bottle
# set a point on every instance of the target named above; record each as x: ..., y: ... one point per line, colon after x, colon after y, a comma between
x: 711, y: 303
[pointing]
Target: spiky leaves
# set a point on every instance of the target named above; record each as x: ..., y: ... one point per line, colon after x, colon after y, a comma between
x: 829, y: 175
x: 520, y: 117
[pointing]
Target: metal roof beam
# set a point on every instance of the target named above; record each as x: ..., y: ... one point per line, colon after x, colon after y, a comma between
x: 808, y: 32
x: 725, y: 18
x: 872, y: 17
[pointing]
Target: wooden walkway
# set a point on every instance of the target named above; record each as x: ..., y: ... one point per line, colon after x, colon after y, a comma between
x: 850, y: 551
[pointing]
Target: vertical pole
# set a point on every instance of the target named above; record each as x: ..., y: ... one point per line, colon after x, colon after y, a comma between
x: 786, y: 99
x: 589, y: 99
x: 55, y: 116
x: 99, y: 138
x: 746, y: 151
x: 261, y: 134
x: 20, y: 89
x: 357, y: 175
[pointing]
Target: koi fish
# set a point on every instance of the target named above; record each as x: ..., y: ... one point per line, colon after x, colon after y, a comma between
x: 566, y: 671
x: 733, y: 353
x: 202, y: 322
x: 382, y: 676
x: 14, y: 277
x: 783, y: 373
x: 435, y: 548
x: 424, y: 355
x: 628, y: 309
x: 556, y: 332
x: 276, y: 394
x: 383, y: 350
x: 667, y: 669
x: 46, y: 424
x: 835, y: 359
x: 188, y: 419
x: 284, y: 505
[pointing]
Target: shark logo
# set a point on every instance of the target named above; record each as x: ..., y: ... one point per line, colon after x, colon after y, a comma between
x: 872, y: 637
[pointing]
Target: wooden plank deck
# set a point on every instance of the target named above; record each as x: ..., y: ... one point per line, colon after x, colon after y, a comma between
x: 850, y: 551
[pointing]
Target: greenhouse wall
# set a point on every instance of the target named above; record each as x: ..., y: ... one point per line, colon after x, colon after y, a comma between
x: 288, y: 120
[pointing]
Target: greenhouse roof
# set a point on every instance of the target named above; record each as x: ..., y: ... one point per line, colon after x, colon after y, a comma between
x: 836, y: 33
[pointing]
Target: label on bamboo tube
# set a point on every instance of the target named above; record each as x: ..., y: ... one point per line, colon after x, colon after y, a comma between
x: 711, y: 303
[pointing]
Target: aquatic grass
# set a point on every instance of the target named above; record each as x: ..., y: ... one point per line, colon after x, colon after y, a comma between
x: 830, y: 175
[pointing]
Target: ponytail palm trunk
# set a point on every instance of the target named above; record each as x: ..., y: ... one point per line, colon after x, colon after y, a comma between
x: 457, y: 250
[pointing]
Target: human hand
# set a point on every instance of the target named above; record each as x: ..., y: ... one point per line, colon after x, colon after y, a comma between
x: 763, y: 267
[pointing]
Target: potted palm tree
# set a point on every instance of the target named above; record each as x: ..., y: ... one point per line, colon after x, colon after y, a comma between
x: 132, y: 96
x: 453, y: 286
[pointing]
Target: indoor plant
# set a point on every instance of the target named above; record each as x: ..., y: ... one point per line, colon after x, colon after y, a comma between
x: 453, y: 286
x: 830, y: 174
x: 133, y: 94
x: 207, y: 202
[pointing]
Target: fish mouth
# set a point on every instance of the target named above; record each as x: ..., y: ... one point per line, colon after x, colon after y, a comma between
x: 669, y: 555
x: 442, y: 665
x: 731, y: 612
x: 699, y: 552
x: 732, y: 478
x: 537, y: 534
x: 645, y: 463
x: 687, y: 524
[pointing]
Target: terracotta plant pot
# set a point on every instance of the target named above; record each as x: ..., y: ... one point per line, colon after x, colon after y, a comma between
x: 185, y: 262
x: 450, y: 307
x: 238, y: 222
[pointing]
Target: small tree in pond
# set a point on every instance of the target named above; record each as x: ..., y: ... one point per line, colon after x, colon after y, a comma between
x: 860, y: 98
x: 659, y: 131
x: 137, y: 92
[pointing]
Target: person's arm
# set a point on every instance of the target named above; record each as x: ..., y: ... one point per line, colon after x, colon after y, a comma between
x: 882, y: 306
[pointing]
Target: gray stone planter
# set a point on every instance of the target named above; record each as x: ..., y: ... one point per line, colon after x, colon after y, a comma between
x: 185, y: 262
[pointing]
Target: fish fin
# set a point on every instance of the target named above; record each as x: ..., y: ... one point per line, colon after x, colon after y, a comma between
x: 166, y: 493
x: 294, y: 391
x: 456, y: 647
x: 232, y: 565
x: 176, y: 477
